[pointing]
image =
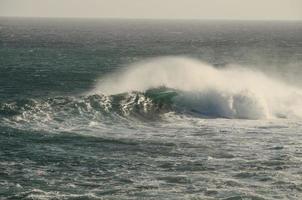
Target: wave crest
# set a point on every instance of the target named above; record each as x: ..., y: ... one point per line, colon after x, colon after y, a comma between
x: 232, y: 92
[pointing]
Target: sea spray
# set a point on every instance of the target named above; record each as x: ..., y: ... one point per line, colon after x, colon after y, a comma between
x: 231, y: 92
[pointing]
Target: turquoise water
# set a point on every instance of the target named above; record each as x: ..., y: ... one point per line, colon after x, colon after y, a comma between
x: 142, y: 109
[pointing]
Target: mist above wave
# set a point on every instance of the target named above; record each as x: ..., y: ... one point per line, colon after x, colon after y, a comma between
x: 231, y: 92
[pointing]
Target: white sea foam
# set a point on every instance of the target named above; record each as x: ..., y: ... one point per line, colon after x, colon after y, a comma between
x: 232, y: 92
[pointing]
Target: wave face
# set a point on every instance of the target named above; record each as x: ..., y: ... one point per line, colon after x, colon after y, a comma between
x: 230, y: 92
x: 71, y: 112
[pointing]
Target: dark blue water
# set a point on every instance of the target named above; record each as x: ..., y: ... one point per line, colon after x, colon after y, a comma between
x: 210, y: 110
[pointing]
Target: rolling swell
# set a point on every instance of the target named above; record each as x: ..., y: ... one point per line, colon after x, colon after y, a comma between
x: 98, y: 107
x: 148, y: 105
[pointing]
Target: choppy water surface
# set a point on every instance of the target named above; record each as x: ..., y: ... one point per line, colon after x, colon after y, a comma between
x: 111, y: 109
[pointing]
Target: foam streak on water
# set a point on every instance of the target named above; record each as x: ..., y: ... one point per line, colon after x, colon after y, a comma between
x: 79, y: 121
x: 165, y: 128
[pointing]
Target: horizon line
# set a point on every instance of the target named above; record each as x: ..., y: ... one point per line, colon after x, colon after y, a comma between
x: 146, y: 18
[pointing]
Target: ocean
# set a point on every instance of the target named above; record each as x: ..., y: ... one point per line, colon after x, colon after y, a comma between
x: 150, y: 109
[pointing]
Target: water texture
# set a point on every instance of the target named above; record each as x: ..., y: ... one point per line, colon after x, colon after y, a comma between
x: 150, y: 109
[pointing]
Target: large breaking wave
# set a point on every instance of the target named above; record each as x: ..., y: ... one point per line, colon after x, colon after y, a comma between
x: 230, y: 92
x: 147, y: 90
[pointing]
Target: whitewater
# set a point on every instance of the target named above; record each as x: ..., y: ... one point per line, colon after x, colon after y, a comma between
x: 230, y: 92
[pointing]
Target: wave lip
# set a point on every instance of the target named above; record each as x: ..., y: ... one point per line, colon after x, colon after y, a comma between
x: 212, y: 103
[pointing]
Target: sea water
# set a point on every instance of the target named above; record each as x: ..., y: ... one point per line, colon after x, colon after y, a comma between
x: 150, y: 109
